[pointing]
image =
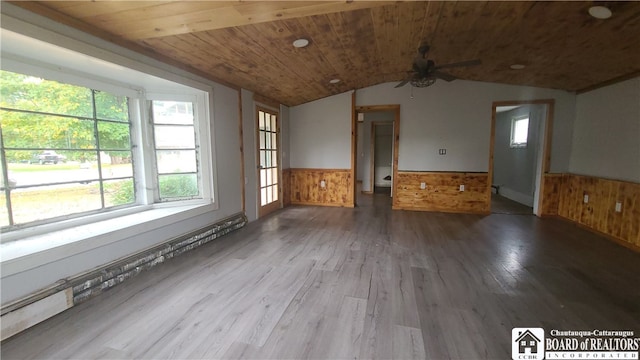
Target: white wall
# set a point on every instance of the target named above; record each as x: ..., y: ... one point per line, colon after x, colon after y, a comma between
x: 224, y: 113
x: 457, y: 116
x: 606, y: 139
x: 250, y: 152
x: 514, y: 169
x: 320, y: 133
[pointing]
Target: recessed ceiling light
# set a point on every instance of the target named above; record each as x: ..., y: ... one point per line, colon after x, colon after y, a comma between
x: 600, y: 12
x: 334, y: 81
x: 517, y: 66
x: 300, y: 43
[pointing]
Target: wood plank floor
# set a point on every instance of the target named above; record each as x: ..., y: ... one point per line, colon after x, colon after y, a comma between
x: 369, y: 283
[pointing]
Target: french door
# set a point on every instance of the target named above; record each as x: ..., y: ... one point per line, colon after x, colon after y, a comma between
x: 268, y: 165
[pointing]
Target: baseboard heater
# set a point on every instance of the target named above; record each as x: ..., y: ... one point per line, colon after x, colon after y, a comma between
x: 37, y: 307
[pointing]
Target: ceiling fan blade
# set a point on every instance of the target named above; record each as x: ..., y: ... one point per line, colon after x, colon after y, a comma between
x: 443, y: 76
x: 463, y: 63
x: 403, y: 82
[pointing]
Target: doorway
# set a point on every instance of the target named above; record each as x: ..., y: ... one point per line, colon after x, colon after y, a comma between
x: 379, y: 122
x: 268, y: 165
x: 520, y: 146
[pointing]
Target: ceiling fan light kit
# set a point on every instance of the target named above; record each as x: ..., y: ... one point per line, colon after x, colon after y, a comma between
x: 423, y: 82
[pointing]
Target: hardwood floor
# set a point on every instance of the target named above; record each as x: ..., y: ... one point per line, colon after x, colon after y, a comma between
x: 503, y: 205
x: 370, y: 283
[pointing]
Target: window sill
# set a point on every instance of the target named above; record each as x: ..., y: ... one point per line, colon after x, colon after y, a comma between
x: 31, y: 252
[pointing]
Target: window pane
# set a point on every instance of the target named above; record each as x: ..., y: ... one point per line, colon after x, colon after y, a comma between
x: 175, y: 161
x: 4, y: 214
x: 261, y: 136
x: 36, y: 173
x: 267, y: 144
x: 178, y: 185
x: 267, y: 162
x: 275, y: 193
x: 263, y: 178
x: 520, y: 131
x: 273, y: 123
x: 172, y: 112
x: 269, y: 182
x: 39, y: 203
x: 269, y: 195
x: 274, y: 175
x: 267, y: 123
x: 263, y: 196
x: 274, y: 142
x: 31, y: 93
x: 111, y: 107
x: 114, y: 136
x: 175, y: 137
x: 274, y: 158
x: 24, y: 130
x: 116, y: 164
x: 263, y: 159
x: 260, y: 120
x: 119, y: 192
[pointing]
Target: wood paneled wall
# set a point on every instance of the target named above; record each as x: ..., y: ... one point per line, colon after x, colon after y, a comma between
x: 552, y: 189
x: 285, y: 183
x: 306, y: 188
x: 564, y: 197
x: 442, y: 192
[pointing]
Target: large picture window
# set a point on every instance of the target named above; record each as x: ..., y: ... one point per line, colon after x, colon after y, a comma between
x: 65, y: 150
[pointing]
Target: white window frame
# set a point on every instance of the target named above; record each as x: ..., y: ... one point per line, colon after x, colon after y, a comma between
x: 141, y: 136
x: 514, y: 121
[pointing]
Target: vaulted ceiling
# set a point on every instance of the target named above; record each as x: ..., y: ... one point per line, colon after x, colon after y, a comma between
x: 248, y: 44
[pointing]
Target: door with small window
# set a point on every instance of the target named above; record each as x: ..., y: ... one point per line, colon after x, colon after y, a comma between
x: 268, y: 164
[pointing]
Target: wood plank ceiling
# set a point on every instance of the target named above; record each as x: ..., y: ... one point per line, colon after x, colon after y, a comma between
x: 249, y: 44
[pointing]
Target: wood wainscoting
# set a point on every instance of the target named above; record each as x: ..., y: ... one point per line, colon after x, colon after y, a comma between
x: 306, y: 187
x: 565, y: 195
x: 442, y: 192
x: 285, y: 183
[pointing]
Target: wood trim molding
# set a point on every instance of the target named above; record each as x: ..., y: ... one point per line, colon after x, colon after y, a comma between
x: 395, y: 108
x: 242, y: 175
x: 354, y: 148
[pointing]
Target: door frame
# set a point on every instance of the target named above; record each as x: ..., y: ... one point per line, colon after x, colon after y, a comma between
x: 269, y: 208
x: 395, y: 108
x: 542, y: 167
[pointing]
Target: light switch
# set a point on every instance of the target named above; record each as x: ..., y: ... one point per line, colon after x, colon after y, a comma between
x: 461, y: 187
x: 585, y: 199
x: 423, y: 185
x: 323, y: 184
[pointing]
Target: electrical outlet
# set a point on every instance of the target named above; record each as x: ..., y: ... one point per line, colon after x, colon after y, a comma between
x: 423, y: 185
x: 461, y: 187
x: 618, y: 206
x: 585, y: 198
x: 323, y: 184
x: 442, y: 151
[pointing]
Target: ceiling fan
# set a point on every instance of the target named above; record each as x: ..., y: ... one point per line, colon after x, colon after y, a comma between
x: 425, y: 71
